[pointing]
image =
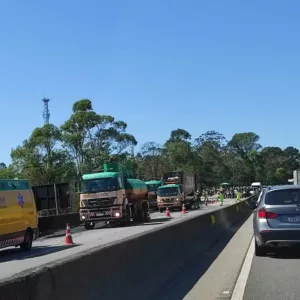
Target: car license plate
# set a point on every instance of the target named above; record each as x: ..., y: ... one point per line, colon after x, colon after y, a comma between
x: 99, y: 214
x: 294, y: 219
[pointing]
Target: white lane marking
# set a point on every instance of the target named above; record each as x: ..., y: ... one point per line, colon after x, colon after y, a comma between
x: 239, y: 289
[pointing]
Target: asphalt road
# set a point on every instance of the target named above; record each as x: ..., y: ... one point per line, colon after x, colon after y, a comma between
x: 213, y: 273
x: 274, y: 277
x: 50, y: 249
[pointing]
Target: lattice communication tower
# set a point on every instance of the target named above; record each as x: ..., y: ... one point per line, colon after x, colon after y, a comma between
x: 46, y: 113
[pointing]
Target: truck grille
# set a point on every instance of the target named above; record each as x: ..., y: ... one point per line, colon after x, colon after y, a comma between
x: 103, y: 202
x: 168, y: 200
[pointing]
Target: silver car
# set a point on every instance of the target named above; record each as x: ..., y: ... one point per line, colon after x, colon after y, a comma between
x: 276, y: 220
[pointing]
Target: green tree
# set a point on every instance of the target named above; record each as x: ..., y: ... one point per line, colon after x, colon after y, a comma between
x: 7, y: 173
x: 281, y: 176
x: 272, y: 159
x: 178, y: 151
x: 292, y: 162
x: 91, y: 138
x: 209, y: 159
x: 151, y: 161
x: 2, y: 166
x: 242, y: 143
x: 39, y: 161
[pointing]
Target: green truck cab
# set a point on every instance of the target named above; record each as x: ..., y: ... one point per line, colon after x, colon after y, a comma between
x: 112, y: 196
x: 152, y: 187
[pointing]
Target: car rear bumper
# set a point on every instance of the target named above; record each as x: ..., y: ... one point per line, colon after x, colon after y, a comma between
x: 278, y: 238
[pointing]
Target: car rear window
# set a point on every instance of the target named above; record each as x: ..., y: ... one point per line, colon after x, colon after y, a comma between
x: 283, y: 197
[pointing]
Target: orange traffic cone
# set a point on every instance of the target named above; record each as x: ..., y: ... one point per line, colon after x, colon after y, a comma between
x: 69, y: 240
x: 183, y: 209
x: 168, y: 213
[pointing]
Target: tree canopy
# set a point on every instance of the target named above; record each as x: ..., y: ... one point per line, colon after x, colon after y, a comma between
x: 87, y: 140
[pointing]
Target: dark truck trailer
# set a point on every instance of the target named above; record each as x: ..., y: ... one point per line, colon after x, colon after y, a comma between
x: 186, y: 179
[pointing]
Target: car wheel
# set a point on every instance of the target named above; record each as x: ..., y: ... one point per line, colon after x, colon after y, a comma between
x: 260, y: 250
x: 27, y: 243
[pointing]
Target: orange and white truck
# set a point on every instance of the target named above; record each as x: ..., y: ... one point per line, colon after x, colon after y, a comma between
x: 178, y: 188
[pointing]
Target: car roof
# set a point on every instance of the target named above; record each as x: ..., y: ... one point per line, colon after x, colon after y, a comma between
x: 283, y: 187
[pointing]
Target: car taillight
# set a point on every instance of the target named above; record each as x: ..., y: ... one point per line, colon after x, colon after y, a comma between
x: 263, y: 214
x: 271, y: 215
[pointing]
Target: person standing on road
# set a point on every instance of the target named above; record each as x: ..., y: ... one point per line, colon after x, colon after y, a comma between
x: 238, y: 196
x: 206, y: 197
x: 221, y: 198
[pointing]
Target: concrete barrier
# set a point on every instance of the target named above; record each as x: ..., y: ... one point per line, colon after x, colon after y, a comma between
x: 129, y: 269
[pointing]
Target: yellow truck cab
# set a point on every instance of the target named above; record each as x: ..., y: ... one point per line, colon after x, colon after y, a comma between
x: 18, y: 214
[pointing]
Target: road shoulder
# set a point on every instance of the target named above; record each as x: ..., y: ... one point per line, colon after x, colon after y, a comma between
x: 219, y: 280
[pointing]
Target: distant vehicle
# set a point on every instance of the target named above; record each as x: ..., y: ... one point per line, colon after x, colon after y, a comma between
x: 255, y: 186
x: 276, y: 221
x: 19, y: 221
x: 178, y: 188
x: 152, y: 187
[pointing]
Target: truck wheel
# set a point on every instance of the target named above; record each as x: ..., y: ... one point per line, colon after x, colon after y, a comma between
x: 27, y: 243
x: 145, y: 212
x: 89, y: 226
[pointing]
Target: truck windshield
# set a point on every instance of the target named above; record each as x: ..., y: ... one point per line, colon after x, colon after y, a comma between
x: 152, y: 187
x: 99, y: 185
x: 170, y: 191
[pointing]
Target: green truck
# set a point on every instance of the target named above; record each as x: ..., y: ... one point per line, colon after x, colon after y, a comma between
x: 178, y: 188
x: 113, y: 196
x: 152, y: 187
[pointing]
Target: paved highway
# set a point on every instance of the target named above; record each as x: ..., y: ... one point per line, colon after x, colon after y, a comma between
x: 50, y: 249
x: 273, y: 277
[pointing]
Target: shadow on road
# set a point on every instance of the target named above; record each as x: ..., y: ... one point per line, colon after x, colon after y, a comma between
x: 177, y: 287
x: 11, y: 254
x: 289, y: 253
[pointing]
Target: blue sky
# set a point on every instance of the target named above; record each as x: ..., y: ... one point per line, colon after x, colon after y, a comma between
x: 229, y: 66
